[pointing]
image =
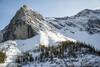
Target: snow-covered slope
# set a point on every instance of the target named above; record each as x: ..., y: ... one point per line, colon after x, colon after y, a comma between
x: 84, y: 26
x: 16, y: 48
x: 11, y: 50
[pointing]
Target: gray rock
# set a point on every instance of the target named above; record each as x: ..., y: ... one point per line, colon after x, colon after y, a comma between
x: 21, y: 26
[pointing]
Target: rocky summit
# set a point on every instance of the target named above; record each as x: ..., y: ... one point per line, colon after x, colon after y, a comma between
x: 21, y: 26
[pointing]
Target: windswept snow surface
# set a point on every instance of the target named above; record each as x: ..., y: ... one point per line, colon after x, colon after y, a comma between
x: 83, y: 36
x: 49, y: 38
x: 71, y: 27
x: 46, y: 38
x: 28, y: 44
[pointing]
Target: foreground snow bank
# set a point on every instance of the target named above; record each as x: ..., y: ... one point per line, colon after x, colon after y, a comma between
x: 10, y: 47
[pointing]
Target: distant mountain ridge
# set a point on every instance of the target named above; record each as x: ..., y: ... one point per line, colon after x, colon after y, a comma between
x: 84, y: 26
x: 86, y: 18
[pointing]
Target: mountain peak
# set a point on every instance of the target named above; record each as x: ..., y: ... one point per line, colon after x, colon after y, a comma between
x: 88, y: 12
x: 24, y: 10
x: 84, y: 12
x: 26, y: 13
x: 21, y: 26
x: 25, y: 7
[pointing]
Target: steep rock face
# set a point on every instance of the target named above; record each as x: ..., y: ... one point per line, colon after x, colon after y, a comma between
x: 21, y: 25
x: 93, y: 26
x: 1, y: 36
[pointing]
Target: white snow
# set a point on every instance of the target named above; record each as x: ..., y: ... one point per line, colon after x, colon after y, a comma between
x: 11, y: 52
x: 75, y: 33
x: 28, y: 44
x: 44, y: 38
x: 82, y: 36
x: 49, y: 37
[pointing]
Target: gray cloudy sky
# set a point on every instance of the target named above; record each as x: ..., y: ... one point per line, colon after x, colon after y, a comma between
x: 51, y: 8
